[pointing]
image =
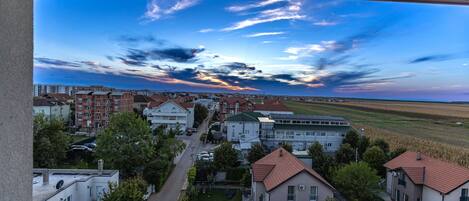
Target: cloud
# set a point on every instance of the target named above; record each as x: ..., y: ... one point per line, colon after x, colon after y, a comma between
x: 431, y: 58
x: 308, y: 50
x: 95, y: 65
x: 157, y: 9
x: 239, y: 66
x: 139, y: 57
x: 238, y: 8
x: 291, y: 11
x: 57, y: 62
x: 264, y: 34
x: 325, y: 23
x: 206, y: 30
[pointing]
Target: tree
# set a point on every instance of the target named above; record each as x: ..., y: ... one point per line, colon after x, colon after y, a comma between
x: 397, y: 152
x: 257, y: 152
x: 287, y: 146
x: 126, y: 144
x: 322, y: 163
x: 383, y: 145
x: 363, y: 145
x: 352, y: 138
x: 225, y: 156
x: 200, y: 113
x: 345, y: 154
x: 357, y: 181
x: 50, y: 142
x: 130, y: 190
x: 375, y: 157
x: 154, y: 171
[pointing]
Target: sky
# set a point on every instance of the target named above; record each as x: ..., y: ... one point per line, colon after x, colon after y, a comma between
x: 341, y: 48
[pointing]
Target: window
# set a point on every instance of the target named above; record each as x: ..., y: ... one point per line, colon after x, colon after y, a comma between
x: 313, y: 194
x: 406, y: 197
x: 291, y: 193
x: 261, y: 197
x: 464, y: 194
x: 398, y: 197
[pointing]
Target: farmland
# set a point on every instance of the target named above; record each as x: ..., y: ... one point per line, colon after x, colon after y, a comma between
x: 442, y: 135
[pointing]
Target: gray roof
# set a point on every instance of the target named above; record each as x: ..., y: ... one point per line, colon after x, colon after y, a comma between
x: 305, y: 117
x: 311, y: 127
x: 245, y: 116
x: 117, y: 93
x: 83, y: 92
x: 101, y: 93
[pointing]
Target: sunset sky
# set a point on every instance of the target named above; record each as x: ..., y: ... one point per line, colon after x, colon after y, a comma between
x: 283, y: 47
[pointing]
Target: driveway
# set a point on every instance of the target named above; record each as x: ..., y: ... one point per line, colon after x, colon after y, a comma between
x: 173, y: 185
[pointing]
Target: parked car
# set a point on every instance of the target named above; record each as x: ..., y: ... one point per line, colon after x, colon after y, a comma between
x: 80, y: 148
x: 91, y: 145
x: 190, y: 131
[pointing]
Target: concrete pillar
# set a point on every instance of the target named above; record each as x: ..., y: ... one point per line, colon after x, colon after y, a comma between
x: 16, y: 57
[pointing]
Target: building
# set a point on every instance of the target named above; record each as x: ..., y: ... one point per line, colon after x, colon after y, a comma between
x: 141, y: 102
x: 72, y: 185
x: 298, y: 130
x: 208, y: 103
x: 233, y: 105
x: 170, y: 114
x: 280, y: 176
x: 416, y: 177
x: 267, y: 107
x: 51, y: 108
x: 93, y: 109
x: 41, y: 89
x: 65, y: 98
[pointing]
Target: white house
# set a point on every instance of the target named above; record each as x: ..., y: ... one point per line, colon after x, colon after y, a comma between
x: 170, y: 114
x: 243, y: 128
x: 72, y: 185
x: 416, y: 177
x: 51, y: 109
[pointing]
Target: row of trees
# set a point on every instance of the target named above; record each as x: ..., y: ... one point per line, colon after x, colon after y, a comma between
x: 200, y: 113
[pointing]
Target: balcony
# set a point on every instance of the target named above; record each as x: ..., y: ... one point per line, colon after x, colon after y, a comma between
x: 401, y: 182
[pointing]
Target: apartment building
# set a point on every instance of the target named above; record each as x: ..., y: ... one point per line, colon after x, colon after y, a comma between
x: 414, y: 176
x: 72, y: 184
x: 170, y: 114
x: 298, y: 130
x: 51, y: 108
x: 234, y: 105
x: 280, y: 176
x: 41, y: 89
x: 93, y: 109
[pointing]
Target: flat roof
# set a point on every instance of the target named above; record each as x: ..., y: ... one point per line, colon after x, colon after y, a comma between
x: 43, y: 192
x: 265, y: 120
x: 305, y: 117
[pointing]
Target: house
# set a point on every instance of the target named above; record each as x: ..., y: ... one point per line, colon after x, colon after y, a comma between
x: 280, y: 176
x: 414, y: 176
x: 65, y: 98
x: 298, y: 130
x: 233, y: 105
x: 93, y: 109
x: 170, y: 114
x: 72, y: 184
x: 51, y: 108
x: 274, y: 106
x: 141, y: 102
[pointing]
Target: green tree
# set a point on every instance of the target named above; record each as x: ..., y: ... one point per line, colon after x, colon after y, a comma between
x: 287, y: 146
x: 246, y: 180
x: 345, y: 154
x: 357, y: 181
x: 257, y: 152
x: 322, y: 163
x: 200, y: 113
x: 225, y: 156
x: 363, y: 145
x: 155, y: 171
x: 191, y: 174
x: 375, y: 157
x: 352, y: 138
x: 50, y: 143
x: 130, y: 190
x: 383, y: 145
x: 126, y: 144
x: 397, y: 152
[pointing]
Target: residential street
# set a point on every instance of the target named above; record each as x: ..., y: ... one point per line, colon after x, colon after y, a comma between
x: 172, y: 187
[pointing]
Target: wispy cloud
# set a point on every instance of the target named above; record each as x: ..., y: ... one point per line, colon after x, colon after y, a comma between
x: 57, y: 62
x: 157, y: 9
x: 206, y: 30
x: 264, y: 34
x: 325, y: 23
x: 308, y: 50
x: 238, y: 8
x: 291, y: 11
x: 431, y: 58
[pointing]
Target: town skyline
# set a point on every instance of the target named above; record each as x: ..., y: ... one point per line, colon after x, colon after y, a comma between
x: 275, y: 47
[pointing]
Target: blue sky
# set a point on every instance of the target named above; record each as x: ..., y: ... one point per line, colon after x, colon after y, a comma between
x: 284, y: 47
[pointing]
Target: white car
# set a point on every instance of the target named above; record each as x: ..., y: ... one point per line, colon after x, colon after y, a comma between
x: 80, y: 148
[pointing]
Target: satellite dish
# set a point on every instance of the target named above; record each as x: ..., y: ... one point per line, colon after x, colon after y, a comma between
x: 59, y: 184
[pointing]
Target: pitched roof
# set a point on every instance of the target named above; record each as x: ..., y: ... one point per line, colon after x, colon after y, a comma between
x: 40, y: 101
x: 245, y: 116
x: 142, y: 99
x: 158, y: 103
x: 233, y: 100
x: 438, y: 175
x: 271, y: 105
x: 58, y: 96
x: 278, y: 167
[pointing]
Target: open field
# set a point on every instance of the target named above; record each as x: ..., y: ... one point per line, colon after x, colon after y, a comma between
x: 439, y: 137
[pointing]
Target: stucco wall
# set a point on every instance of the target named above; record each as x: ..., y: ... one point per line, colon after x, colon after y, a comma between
x: 16, y: 42
x: 456, y: 194
x: 280, y: 193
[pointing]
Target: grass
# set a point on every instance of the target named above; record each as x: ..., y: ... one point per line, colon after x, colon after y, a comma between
x: 439, y: 137
x: 218, y: 195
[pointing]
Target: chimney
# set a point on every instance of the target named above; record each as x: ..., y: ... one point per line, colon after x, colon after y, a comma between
x: 419, y: 156
x: 45, y: 177
x: 100, y: 166
x: 281, y: 152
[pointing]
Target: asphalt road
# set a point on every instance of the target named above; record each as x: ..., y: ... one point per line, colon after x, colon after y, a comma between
x: 173, y: 185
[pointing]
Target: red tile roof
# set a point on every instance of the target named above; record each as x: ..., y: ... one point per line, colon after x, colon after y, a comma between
x: 271, y: 105
x: 157, y: 103
x: 438, y: 175
x: 278, y: 167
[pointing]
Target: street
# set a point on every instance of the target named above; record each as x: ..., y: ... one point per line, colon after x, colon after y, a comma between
x: 173, y: 185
